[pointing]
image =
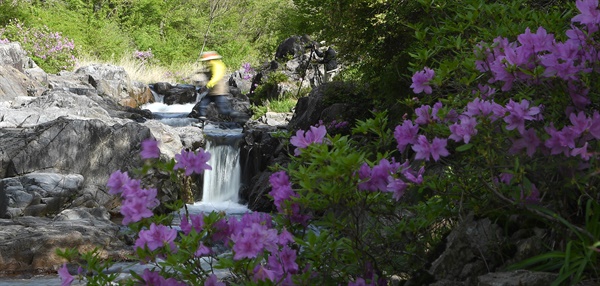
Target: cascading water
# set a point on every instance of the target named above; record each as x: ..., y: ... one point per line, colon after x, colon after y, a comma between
x: 222, y: 183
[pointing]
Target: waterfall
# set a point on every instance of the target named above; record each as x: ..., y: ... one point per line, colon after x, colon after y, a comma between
x: 222, y: 183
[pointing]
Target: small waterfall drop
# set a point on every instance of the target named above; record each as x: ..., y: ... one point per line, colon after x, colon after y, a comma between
x: 222, y: 183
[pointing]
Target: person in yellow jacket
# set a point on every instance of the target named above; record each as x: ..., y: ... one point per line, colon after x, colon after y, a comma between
x: 217, y: 86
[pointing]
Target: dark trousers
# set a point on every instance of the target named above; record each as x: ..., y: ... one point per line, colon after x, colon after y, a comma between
x: 220, y: 100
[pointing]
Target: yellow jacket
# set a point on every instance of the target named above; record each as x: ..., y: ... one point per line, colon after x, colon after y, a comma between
x: 217, y: 82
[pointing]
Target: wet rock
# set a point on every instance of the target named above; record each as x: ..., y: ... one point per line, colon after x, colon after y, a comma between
x: 517, y: 278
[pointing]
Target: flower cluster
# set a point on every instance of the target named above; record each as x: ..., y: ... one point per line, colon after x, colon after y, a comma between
x: 150, y: 149
x: 283, y: 194
x: 339, y: 125
x: 51, y: 50
x: 247, y: 71
x: 154, y: 278
x: 387, y: 177
x: 157, y: 236
x: 192, y: 162
x: 137, y: 201
x: 303, y: 139
x: 143, y: 56
x: 421, y: 81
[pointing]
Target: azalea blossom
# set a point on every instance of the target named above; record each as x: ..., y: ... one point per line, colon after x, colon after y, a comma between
x: 65, y: 277
x: 518, y: 113
x: 150, y: 149
x: 212, y: 281
x: 465, y: 130
x: 192, y: 162
x: 406, y: 134
x: 529, y: 141
x: 435, y: 149
x: 157, y: 236
x: 590, y: 15
x: 303, y: 139
x: 421, y: 79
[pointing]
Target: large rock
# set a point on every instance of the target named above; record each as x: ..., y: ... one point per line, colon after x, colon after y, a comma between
x: 113, y: 81
x: 28, y: 244
x: 308, y: 110
x: 14, y: 83
x: 259, y: 150
x: 292, y: 47
x: 38, y: 194
x: 87, y: 147
x: 11, y: 54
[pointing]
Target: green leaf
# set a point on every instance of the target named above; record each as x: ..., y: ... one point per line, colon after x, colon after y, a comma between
x: 464, y: 147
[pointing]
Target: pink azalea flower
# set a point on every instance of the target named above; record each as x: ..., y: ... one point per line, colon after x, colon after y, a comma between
x: 192, y: 162
x: 202, y: 250
x: 590, y: 15
x: 595, y: 125
x: 134, y: 209
x: 157, y: 236
x: 303, y: 139
x: 117, y: 181
x: 281, y: 191
x: 557, y: 141
x: 154, y: 278
x: 518, y: 113
x: 580, y: 122
x: 426, y: 114
x: 435, y: 149
x: 376, y: 178
x: 285, y: 237
x: 150, y: 149
x: 464, y: 130
x: 421, y: 79
x: 279, y: 179
x: 287, y: 256
x: 406, y: 134
x: 484, y: 108
x: 262, y: 273
x: 538, y: 42
x: 65, y: 277
x: 212, y: 281
x: 529, y: 141
x: 138, y: 204
x: 582, y: 152
x: 250, y: 243
x: 397, y: 187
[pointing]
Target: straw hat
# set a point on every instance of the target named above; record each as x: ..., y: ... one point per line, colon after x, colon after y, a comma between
x: 207, y: 56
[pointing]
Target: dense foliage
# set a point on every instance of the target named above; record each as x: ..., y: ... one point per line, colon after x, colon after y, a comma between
x: 482, y: 107
x: 175, y: 31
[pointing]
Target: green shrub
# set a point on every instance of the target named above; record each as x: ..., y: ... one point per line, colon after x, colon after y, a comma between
x: 50, y: 50
x: 269, y: 88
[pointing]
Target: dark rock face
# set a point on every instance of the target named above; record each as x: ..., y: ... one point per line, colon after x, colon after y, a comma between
x: 259, y: 150
x: 180, y: 94
x: 3, y: 202
x: 292, y: 46
x: 308, y: 110
x: 90, y: 148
